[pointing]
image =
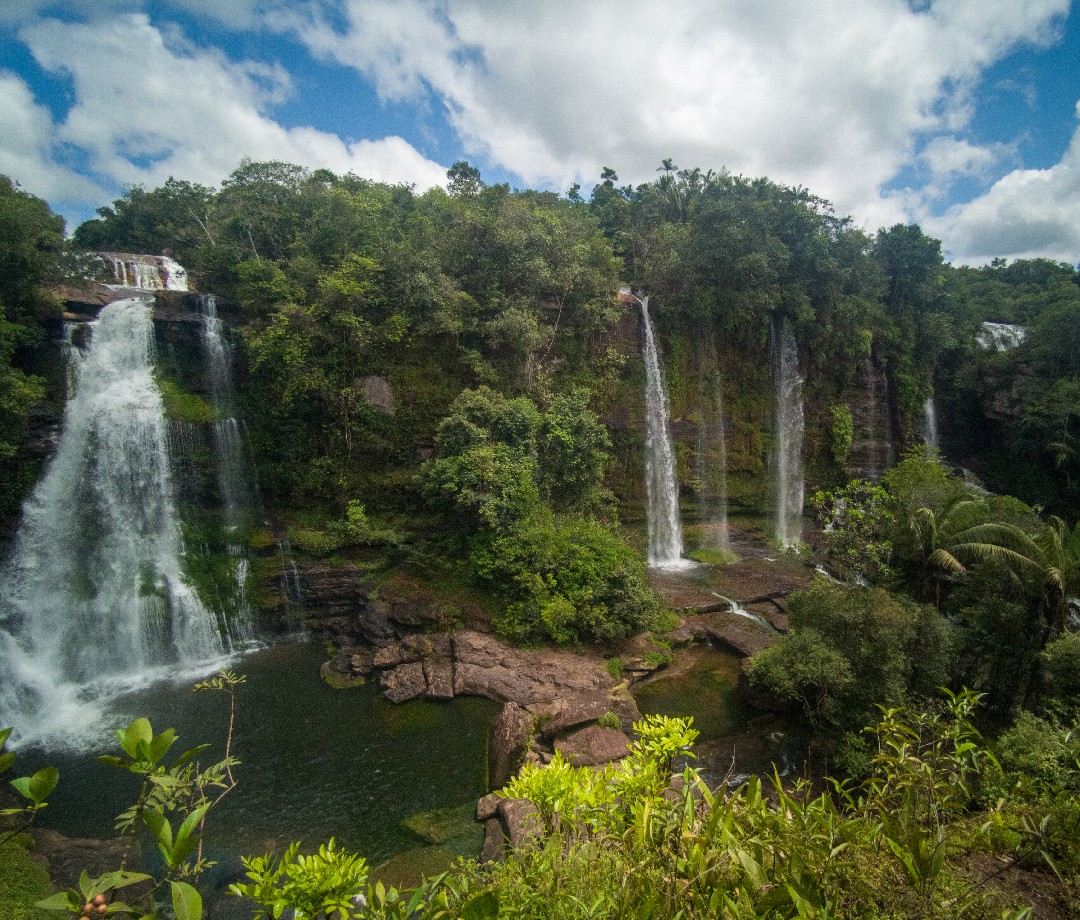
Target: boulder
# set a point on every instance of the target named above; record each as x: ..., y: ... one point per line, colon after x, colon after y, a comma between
x: 487, y: 806
x: 568, y: 714
x: 494, y: 848
x: 520, y: 822
x: 593, y: 745
x: 405, y: 682
x: 439, y: 674
x: 510, y: 737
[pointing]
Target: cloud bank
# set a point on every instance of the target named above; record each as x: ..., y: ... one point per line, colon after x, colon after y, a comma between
x: 843, y: 97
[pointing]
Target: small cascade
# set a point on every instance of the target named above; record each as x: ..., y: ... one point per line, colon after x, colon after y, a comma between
x: 872, y: 451
x: 292, y: 593
x: 93, y: 598
x: 661, y: 487
x: 787, y: 459
x: 930, y: 425
x: 146, y: 273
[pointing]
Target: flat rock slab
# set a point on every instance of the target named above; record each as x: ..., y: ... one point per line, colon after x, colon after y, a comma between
x: 484, y: 666
x: 738, y: 633
x: 593, y: 745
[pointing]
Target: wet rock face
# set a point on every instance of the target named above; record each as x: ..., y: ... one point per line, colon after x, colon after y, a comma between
x: 510, y: 737
x: 379, y: 394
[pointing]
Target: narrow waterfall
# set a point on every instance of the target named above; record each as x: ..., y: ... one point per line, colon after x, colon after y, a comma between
x: 661, y: 487
x: 712, y: 478
x: 930, y: 427
x: 237, y: 498
x: 93, y: 598
x: 787, y: 460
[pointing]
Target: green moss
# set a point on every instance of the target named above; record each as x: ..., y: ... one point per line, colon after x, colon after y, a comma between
x: 341, y: 681
x: 713, y: 555
x: 182, y: 406
x: 22, y: 882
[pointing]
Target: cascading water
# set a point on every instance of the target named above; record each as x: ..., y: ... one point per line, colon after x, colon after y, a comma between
x: 930, y: 426
x: 146, y: 273
x: 93, y: 598
x: 661, y: 487
x: 787, y: 459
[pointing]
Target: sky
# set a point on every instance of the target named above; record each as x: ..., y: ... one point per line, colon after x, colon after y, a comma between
x: 960, y: 115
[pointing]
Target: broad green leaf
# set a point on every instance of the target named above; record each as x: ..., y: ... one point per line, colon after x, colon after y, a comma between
x: 43, y: 783
x: 160, y: 745
x: 191, y: 822
x: 22, y: 786
x: 138, y: 731
x: 65, y: 900
x: 162, y: 830
x: 6, y: 760
x: 190, y: 754
x: 111, y: 760
x: 5, y: 733
x: 187, y: 902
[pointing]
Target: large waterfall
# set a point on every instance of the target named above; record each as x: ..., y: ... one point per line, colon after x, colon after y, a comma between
x: 93, y: 598
x: 787, y: 460
x: 661, y: 487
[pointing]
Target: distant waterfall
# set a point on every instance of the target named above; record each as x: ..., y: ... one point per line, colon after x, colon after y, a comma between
x: 93, y: 599
x: 930, y: 426
x: 661, y: 487
x: 146, y: 273
x: 789, y: 434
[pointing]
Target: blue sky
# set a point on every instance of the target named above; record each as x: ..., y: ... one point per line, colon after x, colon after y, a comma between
x: 961, y: 115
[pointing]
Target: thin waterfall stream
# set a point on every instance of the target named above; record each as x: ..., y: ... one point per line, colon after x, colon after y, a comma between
x: 661, y: 485
x: 790, y: 422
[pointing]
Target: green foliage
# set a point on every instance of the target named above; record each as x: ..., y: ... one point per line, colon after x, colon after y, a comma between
x: 843, y: 430
x: 182, y: 406
x: 320, y: 885
x: 567, y: 579
x: 851, y: 648
x: 856, y: 521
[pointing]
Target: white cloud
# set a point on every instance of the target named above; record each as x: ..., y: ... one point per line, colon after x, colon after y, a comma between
x: 832, y: 95
x: 27, y: 139
x: 1025, y: 214
x: 149, y: 105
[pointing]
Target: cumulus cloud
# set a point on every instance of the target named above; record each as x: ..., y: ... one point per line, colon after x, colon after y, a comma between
x: 1026, y: 214
x: 831, y: 95
x: 148, y: 105
x: 27, y: 141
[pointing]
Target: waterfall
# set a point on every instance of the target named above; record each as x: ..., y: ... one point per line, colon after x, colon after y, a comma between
x: 93, y: 598
x: 930, y: 428
x: 787, y: 458
x: 146, y: 273
x: 237, y: 498
x: 712, y: 478
x: 661, y: 487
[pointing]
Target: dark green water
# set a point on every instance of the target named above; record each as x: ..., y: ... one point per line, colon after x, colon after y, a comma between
x: 315, y: 762
x: 734, y: 741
